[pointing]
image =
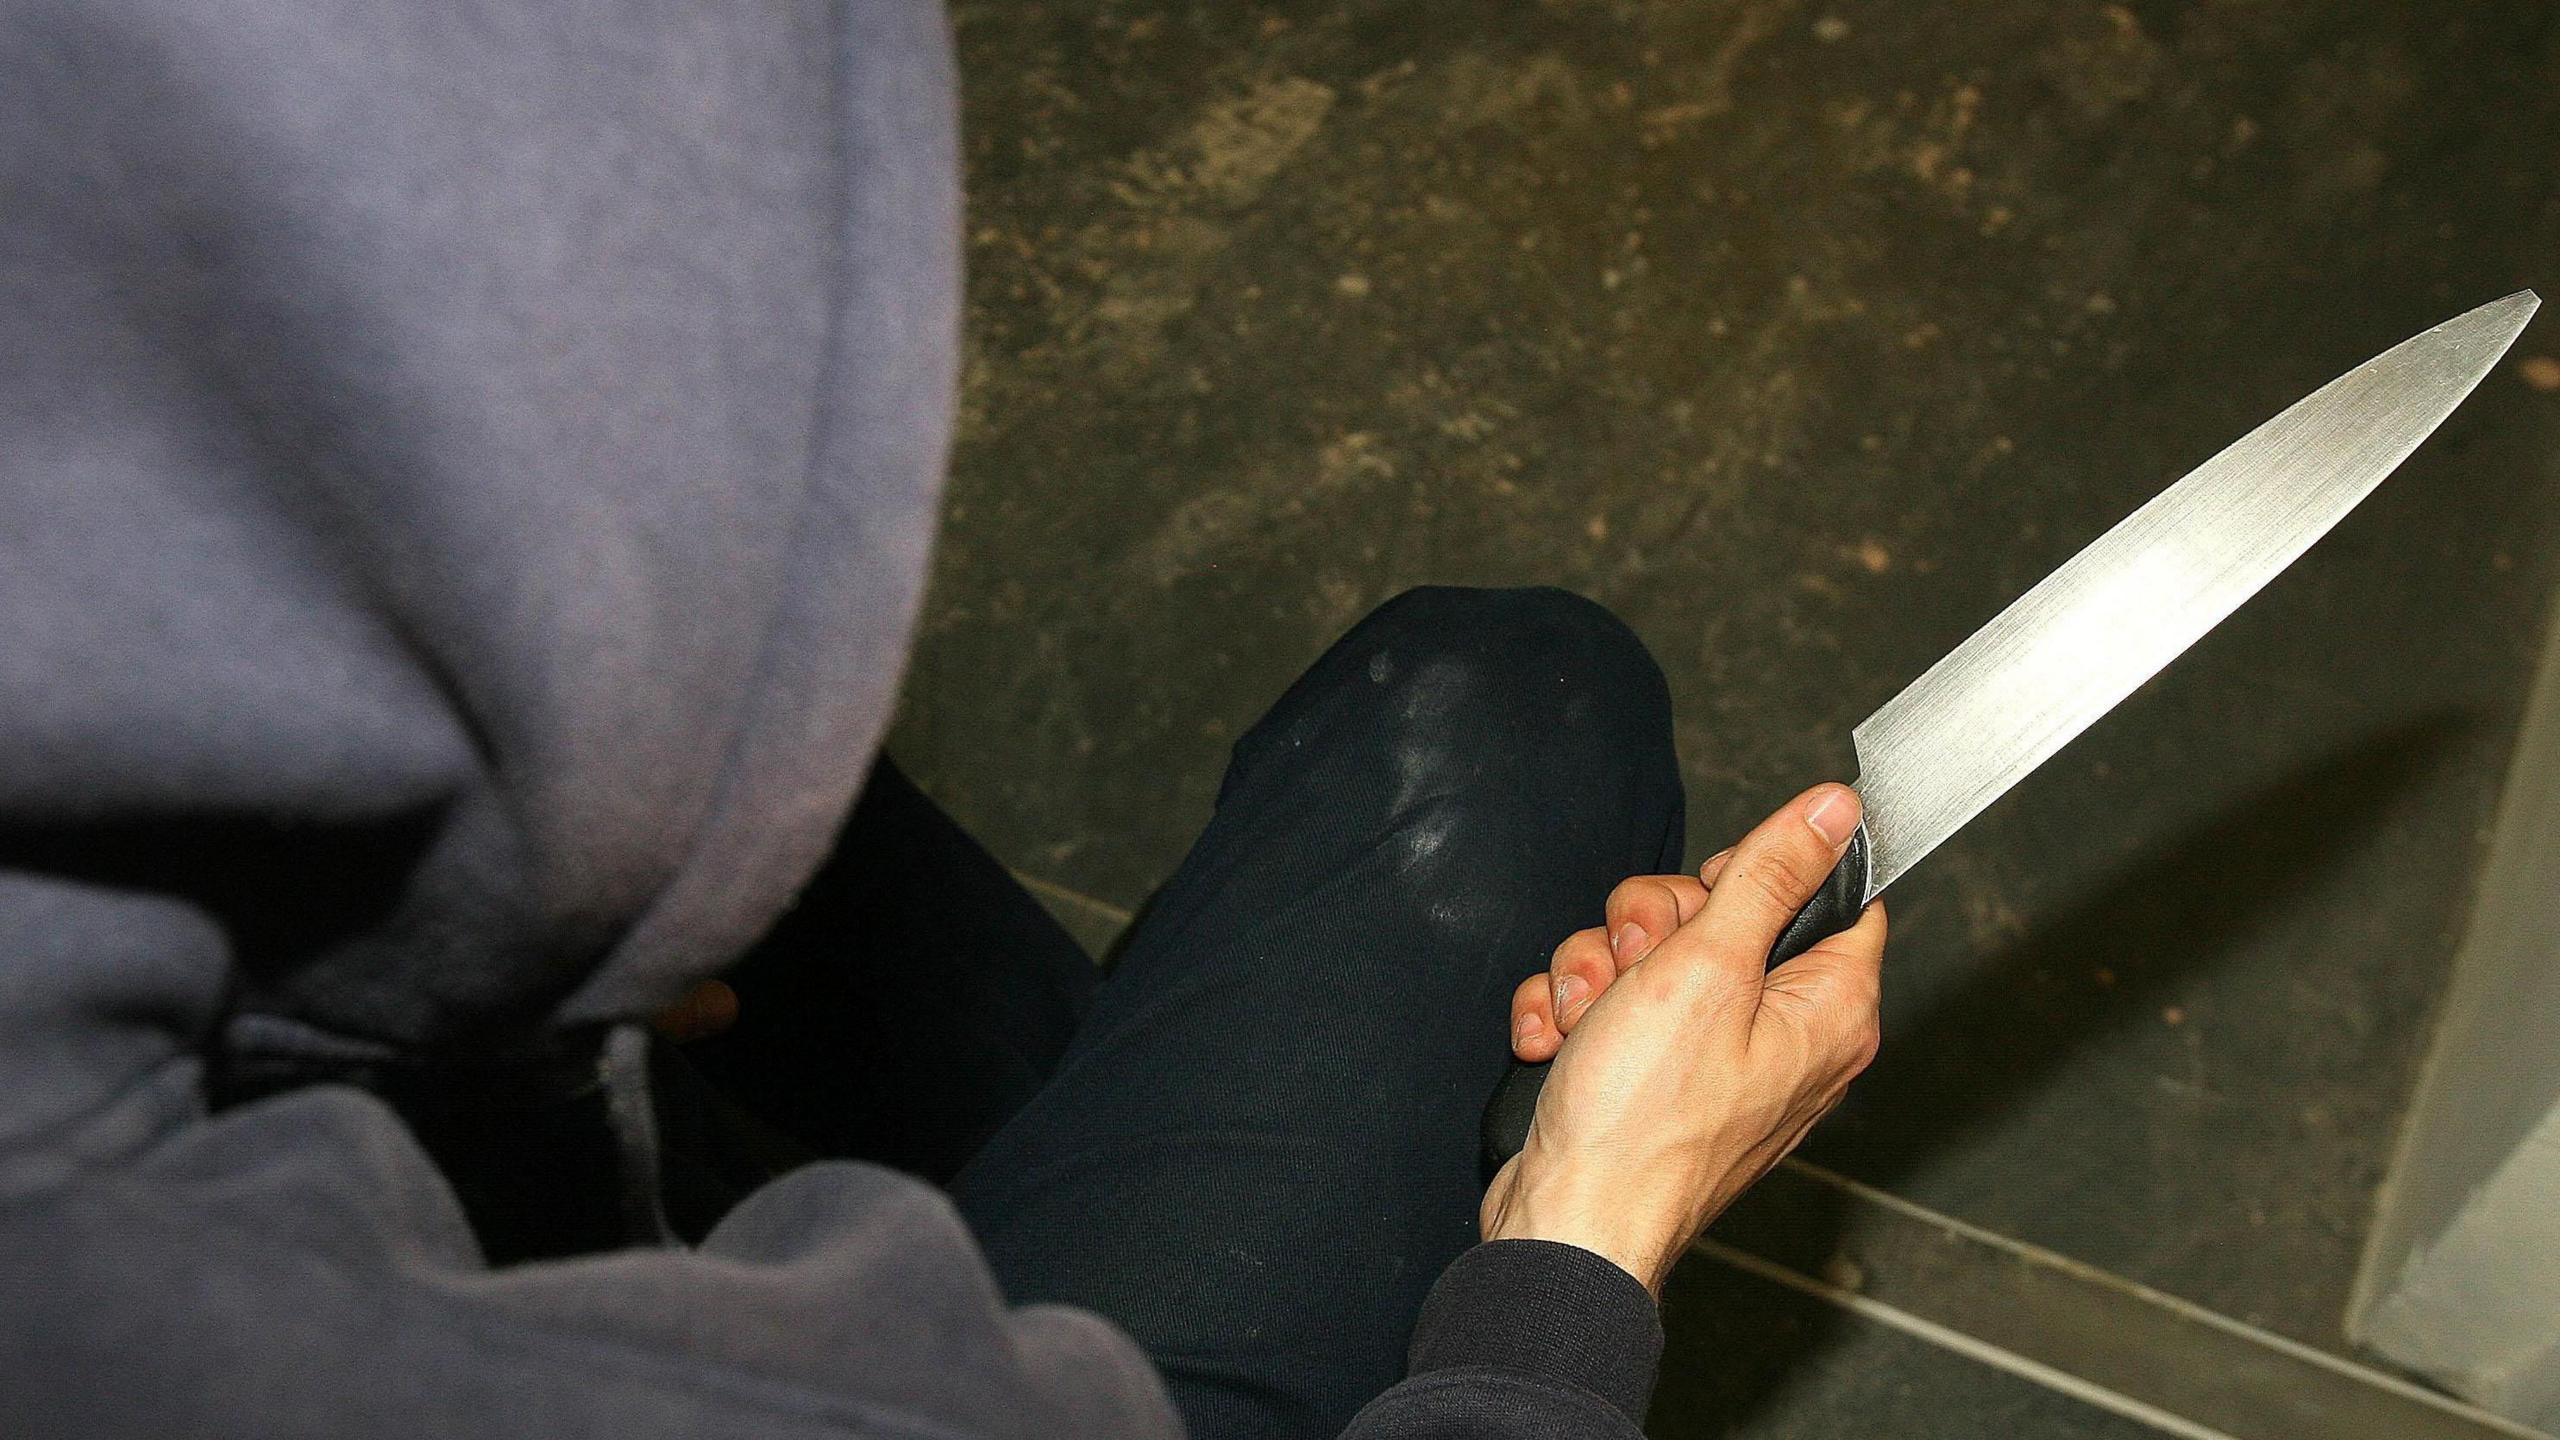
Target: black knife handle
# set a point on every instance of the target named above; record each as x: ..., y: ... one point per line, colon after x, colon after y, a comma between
x: 1834, y: 908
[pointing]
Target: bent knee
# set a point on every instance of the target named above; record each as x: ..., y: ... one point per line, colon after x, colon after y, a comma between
x: 1525, y: 645
x: 1495, y: 663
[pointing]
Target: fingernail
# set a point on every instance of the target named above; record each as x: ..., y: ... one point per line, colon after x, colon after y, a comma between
x: 1630, y: 940
x: 1833, y: 814
x: 1524, y: 1030
x: 1569, y: 990
x: 1715, y: 865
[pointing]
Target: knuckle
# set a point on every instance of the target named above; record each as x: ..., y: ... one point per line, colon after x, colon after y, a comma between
x: 1694, y: 989
x: 1583, y: 950
x: 1773, y: 877
x: 1570, y: 944
x: 1855, y: 1001
x: 1643, y: 899
x: 1857, y: 994
x: 1654, y: 985
x: 1861, y: 1044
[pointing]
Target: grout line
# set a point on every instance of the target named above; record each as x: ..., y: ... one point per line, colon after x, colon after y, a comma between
x: 2060, y: 1381
x: 2186, y: 1309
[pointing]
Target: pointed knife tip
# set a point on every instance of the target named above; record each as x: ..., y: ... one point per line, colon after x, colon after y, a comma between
x: 2495, y: 325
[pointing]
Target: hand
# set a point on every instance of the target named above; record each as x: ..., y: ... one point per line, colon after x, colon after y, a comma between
x: 1682, y: 1070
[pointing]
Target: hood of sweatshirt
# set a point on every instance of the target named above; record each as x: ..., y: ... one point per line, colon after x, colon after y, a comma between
x: 465, y: 495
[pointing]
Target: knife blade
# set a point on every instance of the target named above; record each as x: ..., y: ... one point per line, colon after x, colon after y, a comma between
x: 2089, y: 634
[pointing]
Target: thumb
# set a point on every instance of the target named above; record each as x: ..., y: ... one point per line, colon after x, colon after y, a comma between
x: 1776, y: 870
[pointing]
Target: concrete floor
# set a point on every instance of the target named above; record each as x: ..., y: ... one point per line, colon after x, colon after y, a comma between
x: 1804, y: 337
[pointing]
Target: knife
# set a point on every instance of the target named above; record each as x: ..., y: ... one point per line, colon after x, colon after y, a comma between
x: 2090, y: 633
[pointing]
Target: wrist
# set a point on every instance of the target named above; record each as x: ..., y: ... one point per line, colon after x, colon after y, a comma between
x: 1641, y: 1261
x: 1638, y: 1237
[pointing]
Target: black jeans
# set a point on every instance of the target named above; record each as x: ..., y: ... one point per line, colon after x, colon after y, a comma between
x: 1254, y: 1145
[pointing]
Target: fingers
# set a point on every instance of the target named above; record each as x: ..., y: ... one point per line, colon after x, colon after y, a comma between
x: 1646, y: 908
x: 1772, y: 873
x: 1638, y: 913
x: 1546, y: 1006
x: 1534, y: 1036
x: 1580, y: 969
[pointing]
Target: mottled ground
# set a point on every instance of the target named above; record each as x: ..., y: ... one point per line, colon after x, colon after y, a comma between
x: 1805, y: 337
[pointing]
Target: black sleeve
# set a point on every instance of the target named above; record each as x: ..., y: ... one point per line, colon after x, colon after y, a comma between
x: 1526, y: 1338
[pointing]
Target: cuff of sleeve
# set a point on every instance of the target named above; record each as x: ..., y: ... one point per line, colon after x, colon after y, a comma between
x: 1540, y: 1308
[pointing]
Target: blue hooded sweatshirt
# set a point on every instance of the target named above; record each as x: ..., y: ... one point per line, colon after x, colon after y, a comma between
x: 466, y: 476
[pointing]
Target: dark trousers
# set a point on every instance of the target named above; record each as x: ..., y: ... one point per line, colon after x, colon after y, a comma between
x: 1254, y: 1144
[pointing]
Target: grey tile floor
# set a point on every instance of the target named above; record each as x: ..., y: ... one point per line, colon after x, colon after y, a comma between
x: 1788, y: 1365
x: 1804, y: 337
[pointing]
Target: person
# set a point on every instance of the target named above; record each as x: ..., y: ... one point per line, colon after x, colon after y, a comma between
x: 469, y: 476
